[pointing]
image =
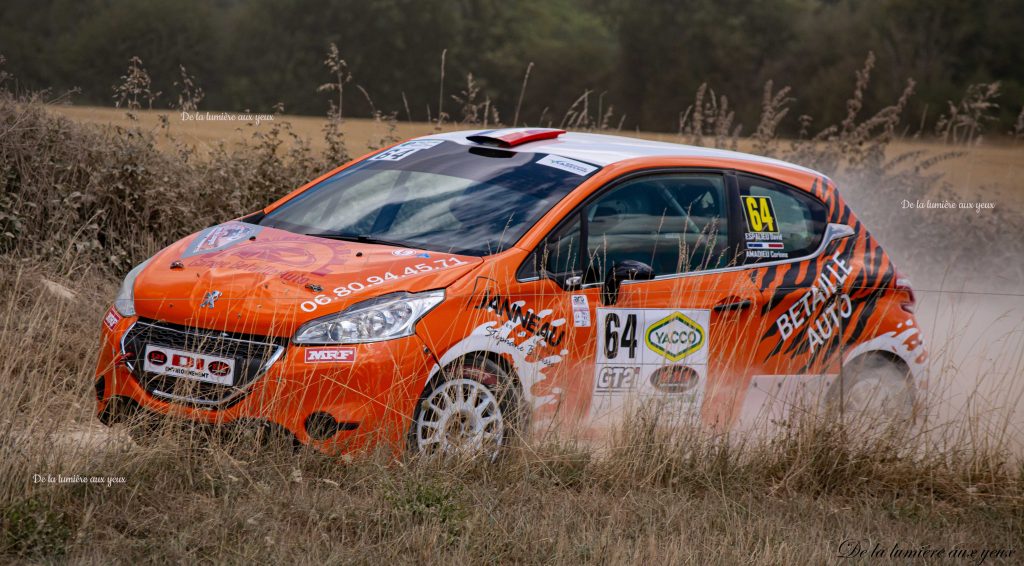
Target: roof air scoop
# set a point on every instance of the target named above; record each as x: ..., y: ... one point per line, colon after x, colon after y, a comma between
x: 511, y: 137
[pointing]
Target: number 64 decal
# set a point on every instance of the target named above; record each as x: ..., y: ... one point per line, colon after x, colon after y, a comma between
x: 617, y: 334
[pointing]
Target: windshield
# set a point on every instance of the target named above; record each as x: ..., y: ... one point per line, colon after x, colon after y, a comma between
x: 436, y: 195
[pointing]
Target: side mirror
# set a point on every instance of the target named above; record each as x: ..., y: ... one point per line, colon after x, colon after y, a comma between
x: 568, y: 282
x: 627, y: 270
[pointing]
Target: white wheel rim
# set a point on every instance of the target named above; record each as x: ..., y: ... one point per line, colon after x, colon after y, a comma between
x: 873, y: 397
x: 460, y: 417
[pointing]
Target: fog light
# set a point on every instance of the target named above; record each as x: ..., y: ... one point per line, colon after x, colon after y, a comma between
x: 321, y: 425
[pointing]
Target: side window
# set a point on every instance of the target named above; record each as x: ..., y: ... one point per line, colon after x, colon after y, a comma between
x: 779, y: 222
x: 675, y: 223
x: 559, y: 254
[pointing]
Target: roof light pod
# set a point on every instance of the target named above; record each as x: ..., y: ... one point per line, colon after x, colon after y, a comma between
x: 511, y: 137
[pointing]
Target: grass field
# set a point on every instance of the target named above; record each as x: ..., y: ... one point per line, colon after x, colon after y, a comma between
x: 993, y: 172
x: 99, y: 200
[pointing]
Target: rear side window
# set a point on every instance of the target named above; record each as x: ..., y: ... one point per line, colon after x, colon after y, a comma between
x: 779, y: 222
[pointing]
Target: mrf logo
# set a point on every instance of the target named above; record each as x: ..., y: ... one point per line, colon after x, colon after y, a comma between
x: 675, y: 336
x: 330, y: 355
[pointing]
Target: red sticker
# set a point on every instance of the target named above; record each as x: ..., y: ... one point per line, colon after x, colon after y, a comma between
x: 112, y: 318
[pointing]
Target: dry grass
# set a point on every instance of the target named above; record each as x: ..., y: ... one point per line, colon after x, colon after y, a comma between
x: 655, y: 496
x: 81, y: 204
x: 993, y: 171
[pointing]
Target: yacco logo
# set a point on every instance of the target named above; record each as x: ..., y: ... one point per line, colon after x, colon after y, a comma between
x: 675, y: 336
x: 333, y: 354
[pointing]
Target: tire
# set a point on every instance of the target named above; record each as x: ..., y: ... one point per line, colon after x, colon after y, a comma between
x: 244, y: 438
x: 875, y: 390
x: 141, y: 425
x: 469, y: 410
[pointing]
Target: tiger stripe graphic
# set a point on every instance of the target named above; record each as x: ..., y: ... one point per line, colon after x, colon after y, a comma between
x: 871, y: 275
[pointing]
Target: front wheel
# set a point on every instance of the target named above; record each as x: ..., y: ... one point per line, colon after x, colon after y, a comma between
x: 469, y: 410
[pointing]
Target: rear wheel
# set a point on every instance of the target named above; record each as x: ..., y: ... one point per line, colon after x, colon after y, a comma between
x: 469, y: 410
x: 875, y: 389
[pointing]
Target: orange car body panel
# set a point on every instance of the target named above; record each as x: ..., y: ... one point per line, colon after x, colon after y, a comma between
x: 272, y: 281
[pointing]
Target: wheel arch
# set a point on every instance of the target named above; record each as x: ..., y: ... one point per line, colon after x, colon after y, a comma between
x: 890, y: 356
x: 505, y: 364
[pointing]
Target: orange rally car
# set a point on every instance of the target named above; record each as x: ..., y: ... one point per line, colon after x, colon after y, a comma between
x: 450, y: 291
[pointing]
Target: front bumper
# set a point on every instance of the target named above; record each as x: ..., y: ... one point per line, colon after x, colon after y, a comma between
x: 369, y: 392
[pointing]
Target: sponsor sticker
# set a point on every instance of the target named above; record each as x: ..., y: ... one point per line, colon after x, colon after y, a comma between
x: 330, y: 354
x: 580, y: 311
x: 650, y: 356
x: 675, y: 379
x: 652, y: 338
x: 112, y: 318
x: 220, y: 237
x: 401, y: 151
x: 822, y: 309
x: 189, y: 365
x: 616, y: 379
x: 566, y: 164
x: 404, y: 252
x: 517, y: 313
x: 675, y: 337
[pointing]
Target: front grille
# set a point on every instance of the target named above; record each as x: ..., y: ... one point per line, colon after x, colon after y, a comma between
x: 253, y: 356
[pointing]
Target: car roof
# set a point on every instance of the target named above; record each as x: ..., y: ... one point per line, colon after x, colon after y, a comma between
x: 601, y: 149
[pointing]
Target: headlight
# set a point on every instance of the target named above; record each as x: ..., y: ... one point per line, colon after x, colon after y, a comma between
x: 125, y: 301
x: 382, y: 318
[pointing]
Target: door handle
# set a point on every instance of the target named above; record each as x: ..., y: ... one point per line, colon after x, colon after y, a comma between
x: 733, y: 305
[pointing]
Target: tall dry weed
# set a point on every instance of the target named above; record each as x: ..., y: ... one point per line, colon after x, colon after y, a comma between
x: 81, y: 204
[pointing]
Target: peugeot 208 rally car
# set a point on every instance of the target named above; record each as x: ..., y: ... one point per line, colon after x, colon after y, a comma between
x: 449, y: 291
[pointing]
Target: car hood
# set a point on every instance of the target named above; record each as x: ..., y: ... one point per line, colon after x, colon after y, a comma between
x: 251, y: 279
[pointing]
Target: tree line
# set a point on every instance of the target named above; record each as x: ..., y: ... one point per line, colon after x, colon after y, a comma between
x: 628, y: 63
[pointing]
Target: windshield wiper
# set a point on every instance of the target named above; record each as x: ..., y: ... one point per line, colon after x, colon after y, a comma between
x: 362, y: 239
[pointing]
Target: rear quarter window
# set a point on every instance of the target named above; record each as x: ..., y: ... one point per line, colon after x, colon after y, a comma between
x: 779, y: 222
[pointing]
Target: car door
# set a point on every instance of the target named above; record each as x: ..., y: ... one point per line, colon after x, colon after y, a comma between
x: 676, y: 343
x: 689, y: 340
x: 548, y: 284
x: 791, y: 256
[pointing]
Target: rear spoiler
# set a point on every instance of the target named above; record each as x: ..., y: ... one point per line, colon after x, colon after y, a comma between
x: 511, y: 137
